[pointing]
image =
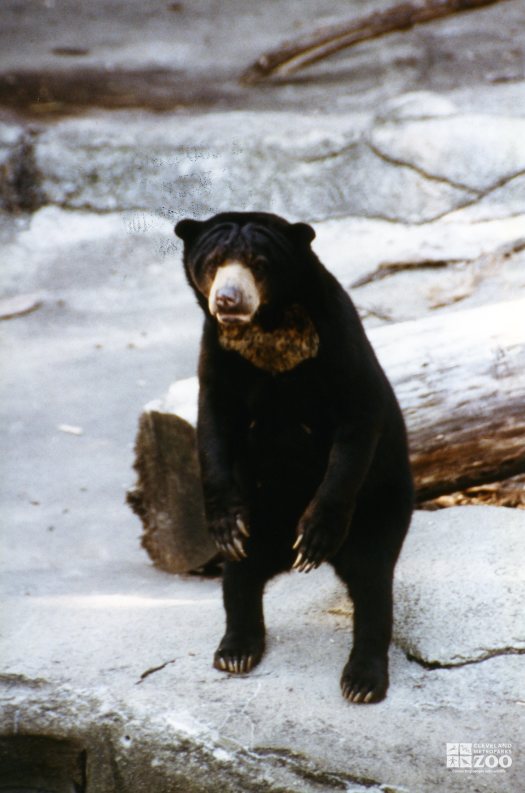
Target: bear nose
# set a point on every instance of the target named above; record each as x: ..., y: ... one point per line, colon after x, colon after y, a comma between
x: 228, y: 298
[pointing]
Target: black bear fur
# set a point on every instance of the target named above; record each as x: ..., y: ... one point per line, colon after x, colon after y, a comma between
x: 304, y: 459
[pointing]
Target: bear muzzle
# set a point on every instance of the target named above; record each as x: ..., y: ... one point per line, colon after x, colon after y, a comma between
x: 234, y: 294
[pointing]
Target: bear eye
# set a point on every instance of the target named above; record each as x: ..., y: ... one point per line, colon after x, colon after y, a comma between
x: 259, y: 265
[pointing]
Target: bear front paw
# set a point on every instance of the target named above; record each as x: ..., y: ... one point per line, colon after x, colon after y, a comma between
x: 229, y: 531
x: 320, y: 534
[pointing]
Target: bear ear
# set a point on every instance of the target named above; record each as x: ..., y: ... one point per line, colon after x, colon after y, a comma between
x: 303, y: 232
x: 188, y: 229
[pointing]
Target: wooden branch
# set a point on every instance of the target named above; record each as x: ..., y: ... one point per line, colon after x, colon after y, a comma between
x: 295, y: 54
x: 460, y: 379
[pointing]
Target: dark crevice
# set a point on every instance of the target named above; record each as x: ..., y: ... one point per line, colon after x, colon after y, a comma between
x: 392, y: 268
x: 42, y: 763
x: 21, y: 680
x: 386, y: 269
x: 20, y: 179
x: 432, y: 665
x: 476, y: 194
x: 305, y: 769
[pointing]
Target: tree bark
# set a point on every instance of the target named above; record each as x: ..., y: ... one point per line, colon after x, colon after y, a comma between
x: 460, y: 380
x: 293, y: 55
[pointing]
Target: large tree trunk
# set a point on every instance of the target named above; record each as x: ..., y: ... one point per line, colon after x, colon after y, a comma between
x: 460, y: 379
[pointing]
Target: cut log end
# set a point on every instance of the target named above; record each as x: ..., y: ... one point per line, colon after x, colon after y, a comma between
x: 168, y: 495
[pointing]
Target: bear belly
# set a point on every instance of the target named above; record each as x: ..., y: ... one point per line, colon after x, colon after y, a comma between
x: 282, y: 465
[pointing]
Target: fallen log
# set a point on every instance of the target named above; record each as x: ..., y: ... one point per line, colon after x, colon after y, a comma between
x: 294, y: 55
x: 460, y: 379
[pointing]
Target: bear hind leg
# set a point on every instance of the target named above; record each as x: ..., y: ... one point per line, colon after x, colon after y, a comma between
x: 242, y: 646
x: 365, y: 676
x: 366, y: 565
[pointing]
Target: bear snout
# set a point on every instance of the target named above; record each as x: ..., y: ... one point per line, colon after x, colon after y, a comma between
x: 234, y: 294
x: 229, y: 298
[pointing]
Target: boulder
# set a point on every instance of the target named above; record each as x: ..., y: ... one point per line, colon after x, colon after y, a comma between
x: 459, y: 586
x: 472, y: 151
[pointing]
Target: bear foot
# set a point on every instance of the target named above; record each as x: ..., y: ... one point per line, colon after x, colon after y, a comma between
x: 365, y: 681
x: 238, y: 654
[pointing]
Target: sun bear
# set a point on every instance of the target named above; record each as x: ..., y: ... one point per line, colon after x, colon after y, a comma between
x: 302, y: 445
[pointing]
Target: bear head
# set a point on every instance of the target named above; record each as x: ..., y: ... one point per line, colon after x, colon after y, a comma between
x: 242, y: 265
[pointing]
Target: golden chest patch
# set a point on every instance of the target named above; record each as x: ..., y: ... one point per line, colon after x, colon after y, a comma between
x: 278, y: 350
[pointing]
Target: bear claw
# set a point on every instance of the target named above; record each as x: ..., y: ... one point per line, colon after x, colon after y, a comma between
x: 241, y: 525
x: 240, y: 665
x: 304, y: 565
x: 233, y: 550
x: 355, y: 694
x: 365, y: 683
x: 239, y: 546
x: 297, y: 542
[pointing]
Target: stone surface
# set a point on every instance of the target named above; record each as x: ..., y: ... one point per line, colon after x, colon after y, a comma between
x: 460, y: 586
x: 353, y: 248
x: 201, y: 165
x: 17, y: 306
x: 118, y: 324
x: 117, y: 659
x: 412, y: 171
x: 477, y: 152
x: 194, y: 165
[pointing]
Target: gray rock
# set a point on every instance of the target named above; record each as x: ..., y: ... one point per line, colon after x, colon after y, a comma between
x: 362, y: 183
x: 459, y: 586
x: 194, y: 165
x: 352, y: 248
x: 506, y: 201
x: 115, y: 662
x: 398, y: 291
x: 475, y: 152
x: 416, y: 105
x: 209, y: 163
x: 415, y: 168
